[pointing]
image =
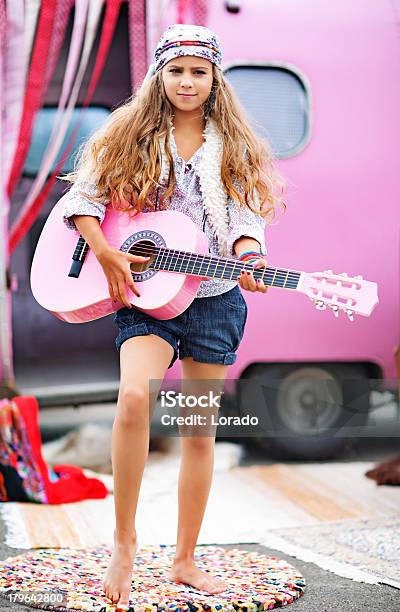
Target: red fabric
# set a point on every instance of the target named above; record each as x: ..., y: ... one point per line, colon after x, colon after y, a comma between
x: 72, y: 484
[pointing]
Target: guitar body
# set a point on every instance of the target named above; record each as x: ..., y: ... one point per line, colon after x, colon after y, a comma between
x: 164, y: 294
x: 67, y: 279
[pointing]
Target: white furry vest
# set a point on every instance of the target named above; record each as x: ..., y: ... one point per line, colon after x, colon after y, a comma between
x: 212, y: 189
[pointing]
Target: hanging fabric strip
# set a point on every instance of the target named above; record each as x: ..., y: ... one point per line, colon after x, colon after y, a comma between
x: 6, y: 354
x: 30, y: 213
x: 62, y: 119
x: 32, y: 8
x: 75, y: 48
x: 200, y: 12
x: 155, y: 19
x: 34, y: 90
x: 15, y: 68
x: 137, y: 42
x: 181, y: 16
x: 57, y: 37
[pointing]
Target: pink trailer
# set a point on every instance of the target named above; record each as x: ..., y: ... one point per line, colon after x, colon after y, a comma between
x: 321, y: 62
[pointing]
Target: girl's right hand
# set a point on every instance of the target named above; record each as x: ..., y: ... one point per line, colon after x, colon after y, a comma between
x: 116, y: 267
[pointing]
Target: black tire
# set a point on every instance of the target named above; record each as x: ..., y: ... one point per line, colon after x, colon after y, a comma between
x: 338, y: 402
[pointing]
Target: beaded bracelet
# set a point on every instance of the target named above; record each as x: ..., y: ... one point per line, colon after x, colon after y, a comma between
x: 249, y: 254
x: 250, y: 257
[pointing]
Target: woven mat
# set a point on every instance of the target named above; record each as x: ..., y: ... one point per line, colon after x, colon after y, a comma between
x: 366, y: 550
x: 64, y: 579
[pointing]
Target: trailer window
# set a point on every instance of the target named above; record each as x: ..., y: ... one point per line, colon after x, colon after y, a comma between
x: 92, y: 118
x: 277, y: 101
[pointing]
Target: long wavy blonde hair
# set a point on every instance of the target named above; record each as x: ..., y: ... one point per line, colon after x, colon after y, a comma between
x: 123, y: 155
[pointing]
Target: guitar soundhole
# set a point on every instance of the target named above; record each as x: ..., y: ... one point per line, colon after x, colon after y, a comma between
x: 145, y: 248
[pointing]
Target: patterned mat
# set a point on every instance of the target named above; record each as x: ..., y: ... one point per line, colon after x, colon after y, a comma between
x: 366, y: 550
x: 65, y: 579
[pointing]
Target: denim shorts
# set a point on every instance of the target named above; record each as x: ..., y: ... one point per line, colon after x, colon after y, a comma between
x: 209, y: 330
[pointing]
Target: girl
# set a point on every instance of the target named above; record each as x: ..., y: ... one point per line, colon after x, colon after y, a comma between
x: 182, y: 142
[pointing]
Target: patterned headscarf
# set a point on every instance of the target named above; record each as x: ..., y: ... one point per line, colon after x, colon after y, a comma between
x: 185, y: 39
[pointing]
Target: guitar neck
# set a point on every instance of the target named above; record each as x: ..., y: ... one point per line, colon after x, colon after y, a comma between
x: 210, y: 266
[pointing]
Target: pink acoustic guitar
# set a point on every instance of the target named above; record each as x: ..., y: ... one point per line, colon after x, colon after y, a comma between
x: 67, y: 279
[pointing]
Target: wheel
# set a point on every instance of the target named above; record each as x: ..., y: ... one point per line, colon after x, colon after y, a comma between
x: 302, y: 409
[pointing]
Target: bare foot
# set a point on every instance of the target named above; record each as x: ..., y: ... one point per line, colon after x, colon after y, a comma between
x: 118, y: 579
x: 189, y: 573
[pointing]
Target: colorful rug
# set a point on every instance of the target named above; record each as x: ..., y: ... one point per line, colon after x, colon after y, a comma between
x: 364, y: 550
x: 63, y: 579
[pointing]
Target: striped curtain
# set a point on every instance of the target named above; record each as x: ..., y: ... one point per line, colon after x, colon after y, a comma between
x: 31, y: 36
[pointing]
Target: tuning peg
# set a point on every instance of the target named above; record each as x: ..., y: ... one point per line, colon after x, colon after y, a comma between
x: 343, y: 274
x: 319, y: 304
x: 359, y: 277
x: 335, y: 309
x: 350, y: 314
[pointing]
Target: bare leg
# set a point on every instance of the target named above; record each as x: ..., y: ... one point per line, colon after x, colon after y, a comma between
x: 142, y: 358
x: 195, y: 479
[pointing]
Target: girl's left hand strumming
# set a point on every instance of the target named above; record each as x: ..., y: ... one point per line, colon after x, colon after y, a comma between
x: 247, y: 281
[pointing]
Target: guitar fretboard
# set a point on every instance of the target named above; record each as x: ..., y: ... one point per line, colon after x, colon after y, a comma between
x: 211, y: 266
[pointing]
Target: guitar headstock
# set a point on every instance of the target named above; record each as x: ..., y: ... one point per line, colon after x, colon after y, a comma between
x: 351, y: 294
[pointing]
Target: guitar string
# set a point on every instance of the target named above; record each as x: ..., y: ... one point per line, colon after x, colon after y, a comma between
x: 229, y: 267
x: 231, y: 264
x: 288, y: 283
x: 274, y: 274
